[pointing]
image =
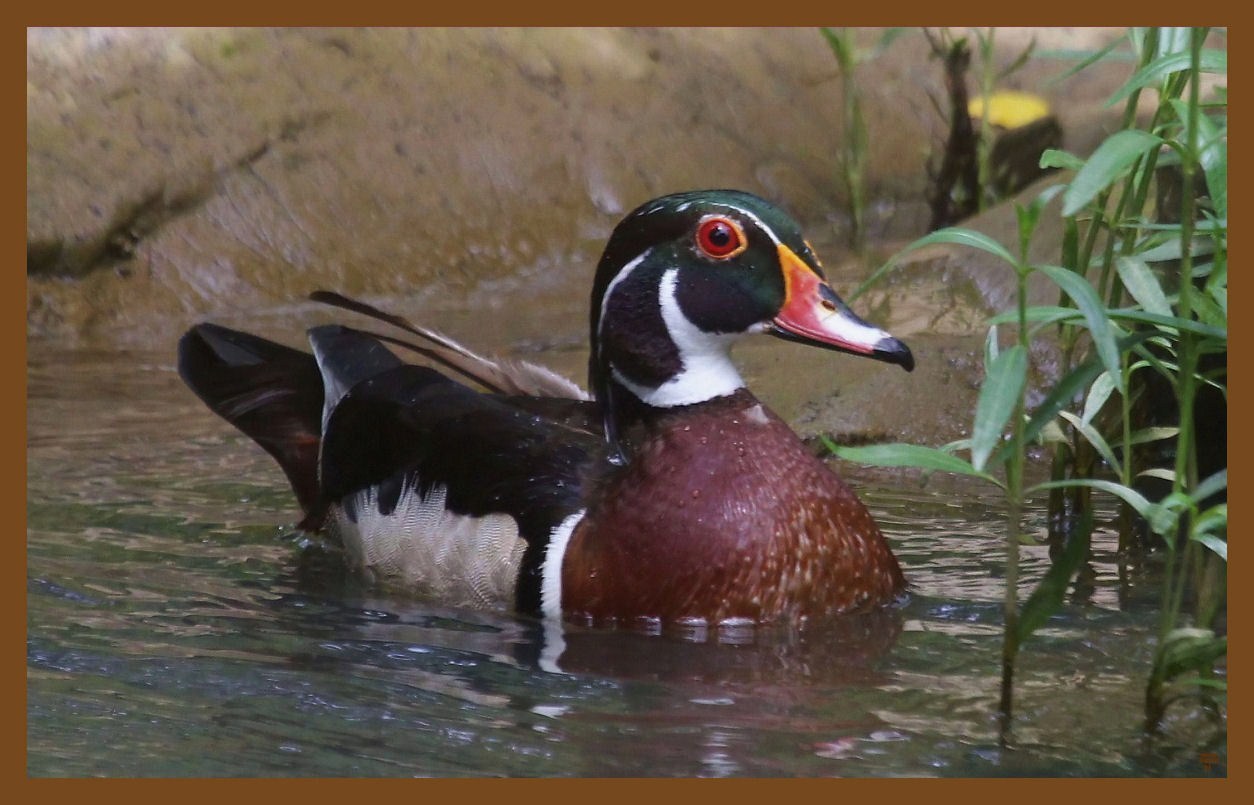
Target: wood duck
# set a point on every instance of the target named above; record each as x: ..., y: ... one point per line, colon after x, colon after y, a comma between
x: 670, y: 494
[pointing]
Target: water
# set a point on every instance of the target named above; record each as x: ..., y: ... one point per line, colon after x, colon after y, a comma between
x: 175, y: 627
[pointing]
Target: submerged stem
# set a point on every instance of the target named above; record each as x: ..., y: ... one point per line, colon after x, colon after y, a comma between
x: 1014, y: 499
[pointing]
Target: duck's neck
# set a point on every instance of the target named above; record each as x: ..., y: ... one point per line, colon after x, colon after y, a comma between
x: 646, y: 343
x: 646, y: 351
x: 705, y: 370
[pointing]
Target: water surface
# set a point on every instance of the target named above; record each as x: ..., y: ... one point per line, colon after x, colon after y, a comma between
x: 177, y: 627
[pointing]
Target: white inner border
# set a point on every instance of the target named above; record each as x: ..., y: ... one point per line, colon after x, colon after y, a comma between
x: 551, y: 572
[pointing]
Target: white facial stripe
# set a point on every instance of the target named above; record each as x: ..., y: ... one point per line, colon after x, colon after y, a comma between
x: 551, y: 573
x: 707, y: 369
x: 626, y: 270
x: 770, y: 233
x: 622, y: 274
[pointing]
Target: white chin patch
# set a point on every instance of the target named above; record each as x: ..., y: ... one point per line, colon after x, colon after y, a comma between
x: 708, y: 370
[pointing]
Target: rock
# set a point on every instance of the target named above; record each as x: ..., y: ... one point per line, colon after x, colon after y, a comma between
x: 462, y: 174
x: 177, y: 174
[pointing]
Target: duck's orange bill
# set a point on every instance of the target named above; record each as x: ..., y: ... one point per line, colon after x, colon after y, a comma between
x: 814, y: 314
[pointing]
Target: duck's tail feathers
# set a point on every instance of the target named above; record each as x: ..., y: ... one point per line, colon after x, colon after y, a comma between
x: 270, y: 392
x: 499, y: 376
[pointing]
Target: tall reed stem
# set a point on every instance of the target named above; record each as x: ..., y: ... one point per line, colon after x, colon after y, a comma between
x: 1178, y: 557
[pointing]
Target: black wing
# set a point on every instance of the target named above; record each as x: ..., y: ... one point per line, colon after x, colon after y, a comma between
x: 412, y: 426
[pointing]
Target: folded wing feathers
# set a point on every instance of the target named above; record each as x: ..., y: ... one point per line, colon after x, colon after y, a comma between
x: 511, y: 377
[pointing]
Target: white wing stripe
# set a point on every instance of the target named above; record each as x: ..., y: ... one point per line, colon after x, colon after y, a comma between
x: 551, y: 578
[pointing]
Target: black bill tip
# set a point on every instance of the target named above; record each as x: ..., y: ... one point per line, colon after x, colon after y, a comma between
x: 891, y: 350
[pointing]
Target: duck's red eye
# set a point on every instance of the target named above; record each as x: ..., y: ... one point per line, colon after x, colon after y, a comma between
x: 720, y: 237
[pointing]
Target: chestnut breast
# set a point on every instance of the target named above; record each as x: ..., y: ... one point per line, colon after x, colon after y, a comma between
x: 724, y: 513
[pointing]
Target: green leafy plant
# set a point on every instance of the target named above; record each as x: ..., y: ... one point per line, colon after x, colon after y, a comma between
x: 1150, y: 303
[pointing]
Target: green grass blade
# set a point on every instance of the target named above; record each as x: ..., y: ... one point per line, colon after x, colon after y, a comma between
x: 1094, y: 438
x: 908, y: 455
x: 1061, y: 315
x: 1175, y: 322
x: 1213, y: 543
x: 1212, y: 61
x: 1140, y: 281
x: 1206, y: 682
x: 840, y: 48
x: 1205, y: 224
x: 1057, y: 158
x: 1061, y: 395
x: 1213, y: 155
x: 1186, y: 650
x: 968, y: 237
x: 998, y: 396
x: 1209, y: 311
x: 1211, y: 485
x: 1164, y: 516
x: 1098, y: 394
x: 950, y: 235
x: 1048, y: 314
x: 1130, y: 496
x: 1152, y: 434
x: 1171, y: 249
x: 1172, y: 39
x: 1018, y: 63
x: 1114, y: 156
x: 887, y: 38
x: 1215, y: 165
x: 1086, y: 58
x: 992, y: 348
x: 1048, y: 595
x: 1094, y: 312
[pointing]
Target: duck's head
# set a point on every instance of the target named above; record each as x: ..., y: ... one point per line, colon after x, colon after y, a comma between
x: 686, y: 275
